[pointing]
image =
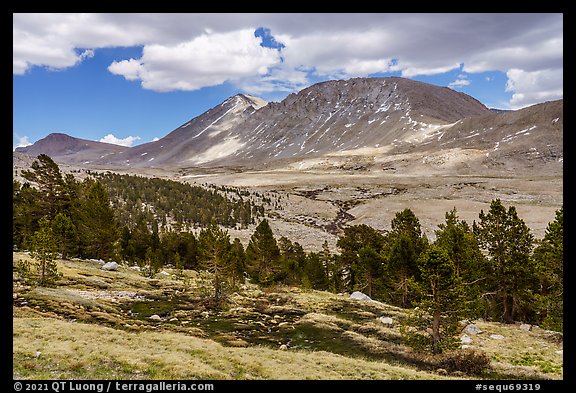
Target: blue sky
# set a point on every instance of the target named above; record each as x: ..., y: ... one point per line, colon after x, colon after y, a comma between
x: 130, y: 78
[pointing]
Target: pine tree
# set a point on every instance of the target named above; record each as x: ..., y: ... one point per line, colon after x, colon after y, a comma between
x: 97, y: 227
x: 549, y: 257
x: 441, y: 303
x: 65, y: 234
x: 509, y: 243
x: 354, y: 239
x: 263, y: 255
x: 403, y: 246
x: 214, y: 258
x: 292, y: 259
x: 457, y: 239
x: 53, y: 193
x: 237, y: 262
x: 26, y: 213
x: 314, y: 272
x: 368, y: 270
x: 43, y: 249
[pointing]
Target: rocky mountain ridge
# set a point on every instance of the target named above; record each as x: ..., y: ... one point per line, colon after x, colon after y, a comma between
x: 382, y: 118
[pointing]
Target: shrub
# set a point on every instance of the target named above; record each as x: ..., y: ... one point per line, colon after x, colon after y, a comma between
x: 467, y: 361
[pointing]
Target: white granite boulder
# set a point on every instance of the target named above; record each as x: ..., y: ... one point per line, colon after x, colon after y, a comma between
x: 110, y: 266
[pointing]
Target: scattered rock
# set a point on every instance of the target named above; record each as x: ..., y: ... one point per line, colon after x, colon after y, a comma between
x: 464, y: 346
x: 472, y: 329
x: 525, y: 326
x: 386, y: 320
x: 466, y: 339
x: 110, y: 266
x: 283, y: 347
x: 560, y: 352
x: 497, y: 337
x: 38, y: 353
x: 137, y: 268
x: 164, y: 273
x: 360, y: 296
x: 155, y: 317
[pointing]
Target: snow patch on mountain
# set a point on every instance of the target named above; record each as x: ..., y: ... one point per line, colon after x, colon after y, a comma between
x: 224, y: 149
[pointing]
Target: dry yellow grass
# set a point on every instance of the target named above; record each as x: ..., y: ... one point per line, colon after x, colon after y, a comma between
x: 65, y: 349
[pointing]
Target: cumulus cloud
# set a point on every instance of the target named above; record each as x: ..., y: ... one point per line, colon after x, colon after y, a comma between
x: 191, y: 51
x: 128, y: 141
x: 529, y: 88
x: 21, y: 141
x: 461, y: 81
x: 207, y: 60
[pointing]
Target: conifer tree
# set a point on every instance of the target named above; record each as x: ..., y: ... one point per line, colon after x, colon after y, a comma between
x: 549, y: 257
x: 368, y: 270
x: 292, y: 259
x: 457, y: 239
x: 53, y: 194
x: 440, y: 305
x: 214, y: 258
x: 263, y: 255
x: 354, y: 239
x: 237, y: 262
x: 403, y: 246
x: 97, y: 227
x: 43, y: 249
x: 65, y: 234
x: 511, y: 268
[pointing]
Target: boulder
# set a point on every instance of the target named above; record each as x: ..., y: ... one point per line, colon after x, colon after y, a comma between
x: 386, y: 320
x: 466, y: 339
x: 155, y: 317
x: 472, y: 329
x: 497, y: 337
x: 110, y: 266
x: 525, y: 326
x: 360, y: 296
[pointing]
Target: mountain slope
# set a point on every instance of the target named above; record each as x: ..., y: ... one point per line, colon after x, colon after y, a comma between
x: 341, y: 115
x: 199, y: 140
x: 385, y: 118
x: 68, y: 149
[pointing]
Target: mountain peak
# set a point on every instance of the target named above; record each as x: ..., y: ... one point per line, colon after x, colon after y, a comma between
x: 255, y: 102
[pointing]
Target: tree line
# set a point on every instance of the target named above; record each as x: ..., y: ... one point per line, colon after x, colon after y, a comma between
x: 493, y: 269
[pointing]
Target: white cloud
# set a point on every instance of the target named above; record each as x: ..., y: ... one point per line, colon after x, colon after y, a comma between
x: 128, y: 141
x: 190, y: 51
x: 530, y: 88
x: 207, y: 60
x: 459, y: 83
x: 21, y: 141
x: 129, y: 69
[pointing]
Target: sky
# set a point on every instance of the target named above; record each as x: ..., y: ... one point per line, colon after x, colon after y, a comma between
x: 133, y: 78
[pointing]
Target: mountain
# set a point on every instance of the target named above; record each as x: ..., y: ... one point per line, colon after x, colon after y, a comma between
x: 71, y: 150
x: 383, y: 118
x: 193, y: 142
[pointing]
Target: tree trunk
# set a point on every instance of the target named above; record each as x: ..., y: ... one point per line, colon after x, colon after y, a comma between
x: 508, y: 312
x: 436, y: 331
